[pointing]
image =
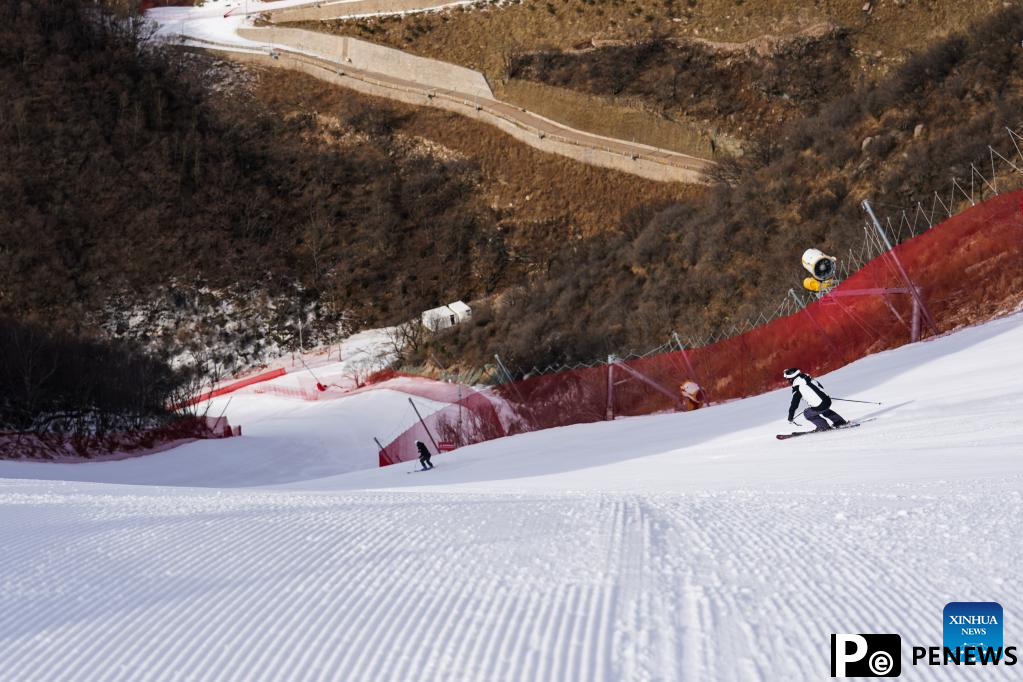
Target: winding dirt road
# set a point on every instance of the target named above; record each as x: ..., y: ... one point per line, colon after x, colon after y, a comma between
x: 270, y: 46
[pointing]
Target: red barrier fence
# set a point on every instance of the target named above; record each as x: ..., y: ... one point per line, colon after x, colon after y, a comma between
x: 234, y: 386
x: 469, y: 420
x: 114, y: 445
x: 308, y: 388
x: 966, y: 269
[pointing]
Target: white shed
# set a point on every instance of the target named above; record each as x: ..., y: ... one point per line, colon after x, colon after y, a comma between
x: 446, y: 316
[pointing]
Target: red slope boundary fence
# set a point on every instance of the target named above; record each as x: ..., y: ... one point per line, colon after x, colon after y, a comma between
x: 966, y: 268
x: 58, y: 446
x: 236, y: 385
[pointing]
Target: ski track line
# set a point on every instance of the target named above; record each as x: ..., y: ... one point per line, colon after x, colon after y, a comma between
x: 497, y: 635
x: 16, y: 544
x: 888, y: 589
x: 242, y: 532
x: 299, y: 652
x: 248, y: 633
x: 368, y: 537
x: 644, y: 639
x: 50, y: 553
x: 511, y: 645
x: 409, y: 606
x: 455, y: 602
x: 776, y: 544
x: 110, y: 595
x: 519, y: 643
x: 453, y: 624
x: 756, y: 552
x: 364, y: 607
x: 469, y: 632
x: 305, y: 611
x: 260, y: 585
x: 348, y: 607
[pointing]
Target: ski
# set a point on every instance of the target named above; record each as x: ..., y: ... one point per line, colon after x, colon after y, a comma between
x: 417, y: 471
x: 785, y: 436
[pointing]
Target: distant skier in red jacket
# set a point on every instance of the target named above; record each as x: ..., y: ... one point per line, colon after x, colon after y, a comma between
x: 805, y: 387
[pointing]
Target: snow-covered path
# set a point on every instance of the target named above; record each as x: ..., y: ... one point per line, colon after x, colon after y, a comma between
x: 675, y: 547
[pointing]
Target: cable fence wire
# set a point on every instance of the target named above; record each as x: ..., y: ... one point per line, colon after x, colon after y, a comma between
x: 965, y: 264
x: 967, y: 268
x: 907, y: 223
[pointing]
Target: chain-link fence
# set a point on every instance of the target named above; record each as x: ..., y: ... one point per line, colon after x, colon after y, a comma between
x: 918, y: 271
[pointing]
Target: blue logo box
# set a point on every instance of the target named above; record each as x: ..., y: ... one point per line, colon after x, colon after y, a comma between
x: 972, y: 623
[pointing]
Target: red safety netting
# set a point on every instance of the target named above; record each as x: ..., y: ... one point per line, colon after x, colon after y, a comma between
x: 966, y: 269
x: 471, y: 419
x: 57, y: 446
x: 309, y: 387
x: 236, y: 385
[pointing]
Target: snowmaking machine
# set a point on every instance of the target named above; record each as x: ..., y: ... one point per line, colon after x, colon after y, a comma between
x: 823, y: 267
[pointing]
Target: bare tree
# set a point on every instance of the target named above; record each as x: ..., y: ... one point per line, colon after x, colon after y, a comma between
x: 407, y: 338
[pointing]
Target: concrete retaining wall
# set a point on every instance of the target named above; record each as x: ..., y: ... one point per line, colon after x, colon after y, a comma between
x: 338, y: 10
x: 366, y: 56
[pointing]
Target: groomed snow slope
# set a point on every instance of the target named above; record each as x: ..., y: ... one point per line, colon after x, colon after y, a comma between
x: 677, y: 547
x: 285, y: 439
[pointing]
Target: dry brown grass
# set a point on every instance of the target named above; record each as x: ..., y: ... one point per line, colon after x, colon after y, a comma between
x: 531, y: 190
x: 702, y: 267
x: 484, y: 37
x: 616, y: 117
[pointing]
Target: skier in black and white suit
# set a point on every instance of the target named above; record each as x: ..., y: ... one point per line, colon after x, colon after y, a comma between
x: 805, y: 387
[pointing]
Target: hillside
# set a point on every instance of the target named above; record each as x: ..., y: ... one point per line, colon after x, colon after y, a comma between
x: 679, y: 73
x: 700, y: 267
x: 484, y: 35
x: 218, y: 405
x: 200, y: 206
x: 233, y: 212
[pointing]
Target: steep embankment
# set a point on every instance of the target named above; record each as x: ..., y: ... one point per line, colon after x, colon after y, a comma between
x: 193, y: 204
x: 398, y: 75
x: 701, y: 268
x: 681, y: 91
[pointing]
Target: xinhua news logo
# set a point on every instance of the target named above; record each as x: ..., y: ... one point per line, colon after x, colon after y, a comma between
x: 973, y: 629
x: 972, y: 635
x: 866, y: 655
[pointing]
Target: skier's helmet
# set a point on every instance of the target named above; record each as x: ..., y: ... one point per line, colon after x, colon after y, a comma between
x: 791, y: 373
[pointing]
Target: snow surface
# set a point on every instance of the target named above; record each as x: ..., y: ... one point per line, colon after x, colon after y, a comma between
x: 361, y: 354
x: 676, y: 547
x: 285, y: 438
x: 218, y: 21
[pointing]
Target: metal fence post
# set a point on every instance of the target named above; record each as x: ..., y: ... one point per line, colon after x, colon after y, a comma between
x: 425, y: 428
x: 918, y: 301
x: 914, y: 334
x: 609, y: 413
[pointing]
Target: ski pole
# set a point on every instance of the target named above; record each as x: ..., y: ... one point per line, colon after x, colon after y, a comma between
x: 849, y: 400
